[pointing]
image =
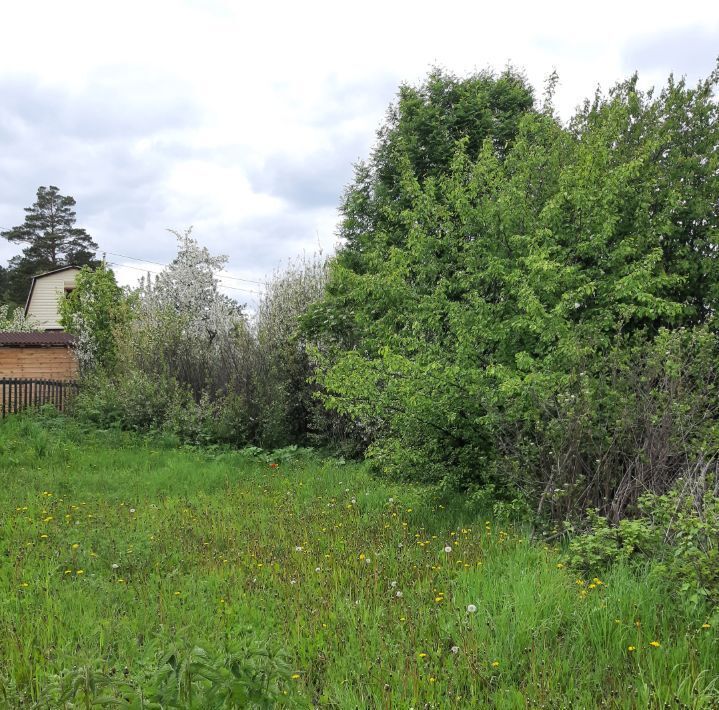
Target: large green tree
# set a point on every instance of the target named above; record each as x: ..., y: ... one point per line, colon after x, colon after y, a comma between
x: 52, y: 241
x: 96, y: 311
x: 501, y: 312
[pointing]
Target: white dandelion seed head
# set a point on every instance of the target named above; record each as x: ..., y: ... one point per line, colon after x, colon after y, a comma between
x: 391, y: 500
x: 317, y: 569
x: 448, y: 548
x: 132, y: 510
x: 115, y: 565
x: 471, y: 608
x: 298, y: 548
x: 393, y: 584
x: 398, y: 594
x: 455, y: 649
x: 293, y: 581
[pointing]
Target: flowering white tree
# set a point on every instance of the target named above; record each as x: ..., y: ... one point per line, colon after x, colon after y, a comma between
x: 184, y: 326
x: 14, y: 321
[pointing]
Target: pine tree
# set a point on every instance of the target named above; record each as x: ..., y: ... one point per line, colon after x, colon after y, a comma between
x: 53, y: 241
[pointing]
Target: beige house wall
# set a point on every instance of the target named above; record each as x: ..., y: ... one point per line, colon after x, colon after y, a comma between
x: 44, y: 307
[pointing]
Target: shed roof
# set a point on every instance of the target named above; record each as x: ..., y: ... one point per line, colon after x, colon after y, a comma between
x: 51, y: 339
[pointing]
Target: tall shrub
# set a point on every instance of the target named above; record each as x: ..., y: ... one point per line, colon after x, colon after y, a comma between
x: 497, y: 319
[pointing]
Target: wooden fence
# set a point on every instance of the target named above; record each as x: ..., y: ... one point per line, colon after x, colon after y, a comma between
x: 17, y: 394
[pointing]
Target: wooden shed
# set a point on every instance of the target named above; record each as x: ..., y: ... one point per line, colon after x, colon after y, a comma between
x: 43, y: 302
x: 38, y: 356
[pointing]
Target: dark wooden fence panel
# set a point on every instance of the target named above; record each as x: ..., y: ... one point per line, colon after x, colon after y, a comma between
x: 17, y: 394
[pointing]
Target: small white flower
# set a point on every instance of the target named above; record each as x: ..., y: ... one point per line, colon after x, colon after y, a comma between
x: 393, y: 584
x: 448, y: 549
x: 577, y: 305
x: 455, y: 649
x: 367, y: 560
x: 317, y: 569
x: 398, y: 594
x: 391, y: 500
x: 298, y: 548
x: 115, y: 565
x: 132, y: 510
x: 293, y: 581
x: 400, y: 545
x: 471, y: 608
x: 354, y: 500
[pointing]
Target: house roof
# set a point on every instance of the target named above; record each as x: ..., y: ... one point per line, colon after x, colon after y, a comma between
x: 48, y: 339
x: 46, y: 273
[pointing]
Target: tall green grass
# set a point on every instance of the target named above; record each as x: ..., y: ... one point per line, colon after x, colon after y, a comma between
x: 115, y: 548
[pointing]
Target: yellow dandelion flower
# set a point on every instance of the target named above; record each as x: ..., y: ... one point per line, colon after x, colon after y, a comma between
x: 495, y: 664
x: 75, y: 546
x: 560, y: 565
x: 706, y: 626
x: 295, y: 676
x: 655, y: 644
x: 421, y: 655
x: 80, y: 571
x: 631, y: 649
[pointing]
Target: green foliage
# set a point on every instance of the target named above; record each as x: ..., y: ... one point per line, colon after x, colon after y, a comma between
x: 500, y: 317
x: 97, y: 311
x: 53, y: 241
x: 677, y: 532
x: 181, y: 358
x: 247, y: 673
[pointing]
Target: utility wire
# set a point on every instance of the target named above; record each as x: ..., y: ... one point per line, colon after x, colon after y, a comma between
x: 149, y: 271
x: 157, y: 263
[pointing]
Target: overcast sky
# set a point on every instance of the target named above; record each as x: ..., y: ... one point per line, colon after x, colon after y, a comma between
x: 244, y: 119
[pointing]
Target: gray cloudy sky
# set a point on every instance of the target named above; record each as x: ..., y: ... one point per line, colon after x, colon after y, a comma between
x: 244, y: 119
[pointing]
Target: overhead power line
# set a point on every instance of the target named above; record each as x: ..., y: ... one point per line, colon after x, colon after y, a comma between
x: 149, y: 271
x: 157, y: 263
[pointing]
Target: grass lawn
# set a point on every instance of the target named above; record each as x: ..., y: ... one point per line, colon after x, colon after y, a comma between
x: 312, y: 583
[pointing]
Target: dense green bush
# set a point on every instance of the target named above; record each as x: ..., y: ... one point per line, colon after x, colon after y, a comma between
x: 677, y: 531
x: 534, y: 311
